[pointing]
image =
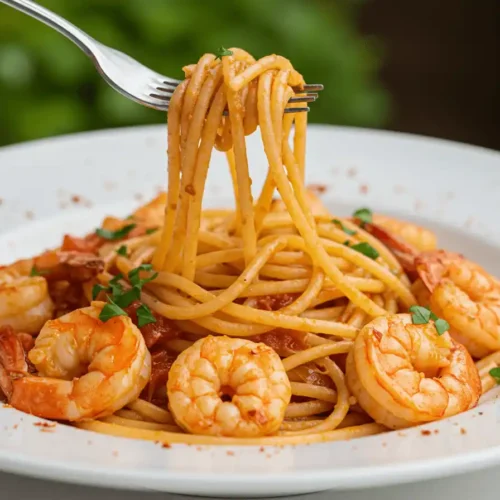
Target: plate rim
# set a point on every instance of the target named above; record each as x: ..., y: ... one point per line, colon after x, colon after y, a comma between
x: 349, y: 478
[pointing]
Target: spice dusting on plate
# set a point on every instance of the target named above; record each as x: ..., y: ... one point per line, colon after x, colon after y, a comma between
x: 425, y: 432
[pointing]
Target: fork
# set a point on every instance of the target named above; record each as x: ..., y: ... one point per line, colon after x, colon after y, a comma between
x: 124, y: 74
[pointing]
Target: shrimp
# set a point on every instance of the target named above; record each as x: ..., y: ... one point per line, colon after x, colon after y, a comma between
x: 418, y: 237
x: 466, y: 296
x: 13, y: 348
x: 404, y: 374
x: 86, y: 368
x: 226, y: 386
x: 25, y: 301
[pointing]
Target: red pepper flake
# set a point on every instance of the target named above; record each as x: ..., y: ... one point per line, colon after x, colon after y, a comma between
x: 45, y: 424
x: 15, y: 426
x: 76, y: 199
x: 317, y: 188
x: 363, y: 189
x: 462, y: 431
x: 425, y: 432
x: 262, y: 449
x: 166, y: 445
x: 436, y: 431
x: 230, y: 453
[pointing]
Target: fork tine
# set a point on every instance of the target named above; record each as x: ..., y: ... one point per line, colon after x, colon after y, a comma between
x: 313, y: 87
x: 306, y: 98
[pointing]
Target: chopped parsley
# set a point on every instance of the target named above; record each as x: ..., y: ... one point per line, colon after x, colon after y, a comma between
x: 121, y: 298
x: 422, y: 315
x: 97, y: 289
x: 495, y: 373
x: 151, y: 230
x: 221, y: 52
x: 38, y: 272
x: 122, y: 251
x: 365, y: 248
x: 115, y: 235
x: 111, y: 310
x: 346, y: 230
x: 365, y: 215
x: 144, y: 316
x: 441, y: 326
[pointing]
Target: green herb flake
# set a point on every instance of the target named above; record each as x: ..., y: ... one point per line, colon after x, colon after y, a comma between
x: 441, y: 326
x: 124, y: 299
x: 366, y: 249
x: 115, y: 235
x: 144, y: 316
x: 420, y: 315
x: 346, y: 230
x: 151, y: 230
x: 122, y: 251
x: 111, y: 310
x: 365, y: 215
x: 134, y: 278
x: 495, y: 373
x: 97, y: 289
x: 38, y: 272
x: 221, y: 52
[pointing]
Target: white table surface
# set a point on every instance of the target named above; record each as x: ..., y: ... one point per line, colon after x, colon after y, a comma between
x: 483, y: 484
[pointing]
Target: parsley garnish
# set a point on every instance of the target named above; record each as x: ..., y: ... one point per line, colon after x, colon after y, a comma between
x: 365, y: 248
x: 151, y: 230
x: 495, y: 373
x: 441, y: 325
x: 144, y: 316
x: 121, y: 298
x: 122, y: 250
x: 422, y: 315
x: 346, y: 230
x: 97, y: 289
x: 364, y: 215
x: 111, y: 310
x: 134, y: 278
x: 115, y: 235
x: 38, y: 272
x: 221, y: 52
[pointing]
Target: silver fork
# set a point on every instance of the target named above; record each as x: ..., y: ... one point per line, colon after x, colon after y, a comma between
x: 127, y: 76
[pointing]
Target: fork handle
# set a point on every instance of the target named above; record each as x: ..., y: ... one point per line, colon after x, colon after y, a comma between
x: 70, y: 31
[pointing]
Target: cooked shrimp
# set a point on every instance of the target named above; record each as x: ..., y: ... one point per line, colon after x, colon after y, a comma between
x: 225, y: 386
x: 465, y: 295
x: 25, y: 302
x: 13, y: 348
x: 418, y: 237
x: 86, y: 368
x: 404, y: 374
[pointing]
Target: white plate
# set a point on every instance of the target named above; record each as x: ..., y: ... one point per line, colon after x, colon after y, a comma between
x: 69, y: 183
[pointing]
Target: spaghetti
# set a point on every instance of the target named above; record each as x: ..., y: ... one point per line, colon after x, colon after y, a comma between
x: 252, y: 315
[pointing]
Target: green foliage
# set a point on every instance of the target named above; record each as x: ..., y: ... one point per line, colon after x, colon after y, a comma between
x: 49, y: 87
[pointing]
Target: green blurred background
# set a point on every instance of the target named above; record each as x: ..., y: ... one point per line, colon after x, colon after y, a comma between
x: 48, y: 87
x: 419, y: 66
